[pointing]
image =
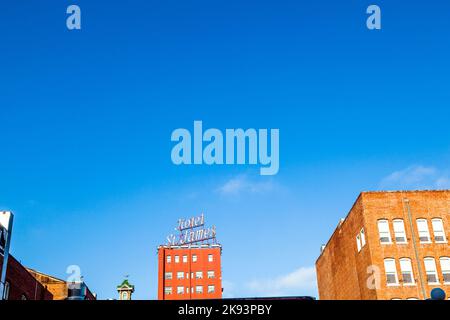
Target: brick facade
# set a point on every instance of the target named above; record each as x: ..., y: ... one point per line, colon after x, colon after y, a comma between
x: 342, y: 270
x: 29, y: 284
x: 191, y: 260
x: 22, y: 285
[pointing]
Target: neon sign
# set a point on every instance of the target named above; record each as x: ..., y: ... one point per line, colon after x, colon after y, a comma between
x: 192, y: 230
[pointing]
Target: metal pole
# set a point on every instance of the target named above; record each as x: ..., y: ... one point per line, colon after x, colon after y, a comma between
x: 416, y: 252
x: 5, y: 257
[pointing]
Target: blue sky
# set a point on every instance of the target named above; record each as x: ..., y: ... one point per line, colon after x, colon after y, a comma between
x: 87, y: 117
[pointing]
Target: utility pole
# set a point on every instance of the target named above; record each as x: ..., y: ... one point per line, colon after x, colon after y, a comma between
x: 416, y: 251
x: 7, y: 217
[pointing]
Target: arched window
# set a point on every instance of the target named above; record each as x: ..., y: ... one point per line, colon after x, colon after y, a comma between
x: 399, y: 231
x: 407, y: 271
x: 424, y: 233
x: 391, y: 272
x: 438, y: 230
x: 384, y: 231
x: 430, y: 268
x: 124, y: 295
x: 445, y: 267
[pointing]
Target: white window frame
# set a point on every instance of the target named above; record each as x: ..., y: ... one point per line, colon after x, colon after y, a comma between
x: 177, y: 259
x: 210, y: 258
x: 180, y: 290
x: 168, y: 290
x: 185, y: 258
x: 423, y: 230
x: 168, y: 276
x: 445, y: 269
x: 358, y: 242
x: 384, y: 233
x: 6, y: 291
x: 199, y: 289
x: 199, y: 275
x: 180, y: 275
x: 399, y: 231
x: 391, y: 272
x: 362, y: 237
x: 438, y: 230
x: 194, y: 258
x: 406, y: 268
x: 211, y: 274
x: 433, y: 270
x: 169, y: 259
x: 213, y: 289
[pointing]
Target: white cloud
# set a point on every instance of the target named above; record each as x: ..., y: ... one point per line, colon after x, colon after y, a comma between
x: 242, y: 184
x: 417, y: 177
x: 300, y: 282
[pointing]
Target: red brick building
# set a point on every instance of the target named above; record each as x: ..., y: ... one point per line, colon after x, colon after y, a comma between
x: 21, y: 285
x: 391, y: 246
x: 189, y: 272
x: 27, y: 284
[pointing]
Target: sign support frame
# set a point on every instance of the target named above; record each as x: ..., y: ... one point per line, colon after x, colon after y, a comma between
x: 6, y: 256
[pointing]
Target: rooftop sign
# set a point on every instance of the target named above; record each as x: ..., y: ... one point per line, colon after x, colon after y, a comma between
x: 192, y: 230
x: 5, y: 217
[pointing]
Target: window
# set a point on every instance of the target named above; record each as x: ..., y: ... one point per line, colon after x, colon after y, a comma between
x: 180, y: 290
x: 194, y: 258
x: 124, y: 295
x: 358, y: 242
x: 185, y: 259
x: 169, y: 259
x: 168, y: 290
x: 385, y: 233
x: 177, y: 259
x: 210, y: 258
x: 399, y: 231
x: 391, y: 272
x: 430, y: 268
x: 211, y: 289
x: 211, y: 275
x: 6, y: 292
x: 363, y: 238
x: 199, y: 275
x: 438, y: 230
x: 407, y: 272
x: 199, y: 289
x: 424, y: 233
x: 168, y: 276
x: 180, y: 275
x: 445, y: 267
